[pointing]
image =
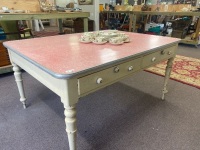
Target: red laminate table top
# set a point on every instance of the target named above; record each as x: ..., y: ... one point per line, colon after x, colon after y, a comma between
x: 64, y: 56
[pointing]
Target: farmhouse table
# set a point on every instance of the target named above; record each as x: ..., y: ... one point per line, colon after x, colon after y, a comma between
x: 73, y: 69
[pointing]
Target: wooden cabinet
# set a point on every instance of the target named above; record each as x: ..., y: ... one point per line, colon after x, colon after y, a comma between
x: 5, y: 65
x: 4, y: 58
x: 78, y: 25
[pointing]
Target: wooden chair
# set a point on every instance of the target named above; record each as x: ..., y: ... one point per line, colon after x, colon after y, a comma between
x: 13, y: 31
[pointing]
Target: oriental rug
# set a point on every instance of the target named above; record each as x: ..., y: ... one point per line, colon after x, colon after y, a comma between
x: 184, y: 69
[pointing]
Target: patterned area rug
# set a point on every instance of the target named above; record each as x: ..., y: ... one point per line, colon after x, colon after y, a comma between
x: 185, y: 70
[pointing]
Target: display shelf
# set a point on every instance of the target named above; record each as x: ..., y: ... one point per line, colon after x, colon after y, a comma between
x: 116, y: 18
x: 134, y: 14
x: 194, y: 41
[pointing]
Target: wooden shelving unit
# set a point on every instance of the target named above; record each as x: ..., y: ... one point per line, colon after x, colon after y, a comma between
x: 133, y: 16
x: 195, y: 41
x: 117, y: 13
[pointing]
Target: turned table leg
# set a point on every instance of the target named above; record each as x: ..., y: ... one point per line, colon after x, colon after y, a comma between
x: 71, y: 128
x: 19, y: 81
x: 167, y: 76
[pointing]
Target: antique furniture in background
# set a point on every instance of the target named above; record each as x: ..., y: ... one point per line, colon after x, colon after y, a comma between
x: 133, y: 15
x: 13, y: 30
x: 79, y: 25
x: 194, y: 41
x: 43, y: 15
x: 4, y: 57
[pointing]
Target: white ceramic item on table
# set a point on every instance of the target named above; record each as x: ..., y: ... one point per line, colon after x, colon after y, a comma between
x: 89, y: 34
x: 103, y: 42
x: 99, y: 39
x: 127, y: 40
x: 123, y: 36
x: 85, y: 39
x: 109, y: 35
x: 98, y: 33
x: 117, y: 43
x: 116, y: 40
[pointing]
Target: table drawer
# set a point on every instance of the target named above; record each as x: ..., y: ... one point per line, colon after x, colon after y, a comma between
x: 156, y: 57
x: 107, y: 76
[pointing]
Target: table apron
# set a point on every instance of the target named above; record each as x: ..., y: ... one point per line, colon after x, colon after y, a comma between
x: 103, y: 78
x: 70, y: 90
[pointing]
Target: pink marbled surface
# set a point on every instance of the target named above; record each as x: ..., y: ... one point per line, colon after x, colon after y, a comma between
x: 62, y: 53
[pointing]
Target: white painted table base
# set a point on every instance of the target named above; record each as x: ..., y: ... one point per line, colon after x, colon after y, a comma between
x: 128, y: 58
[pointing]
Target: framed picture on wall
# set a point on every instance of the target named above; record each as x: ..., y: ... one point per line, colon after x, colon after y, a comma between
x: 85, y: 2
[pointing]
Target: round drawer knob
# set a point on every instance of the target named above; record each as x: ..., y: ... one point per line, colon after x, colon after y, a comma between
x: 99, y: 80
x: 116, y: 69
x: 130, y: 68
x: 153, y: 59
